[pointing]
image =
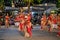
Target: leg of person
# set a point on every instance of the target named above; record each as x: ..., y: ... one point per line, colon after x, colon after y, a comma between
x: 6, y: 24
x: 29, y: 31
x: 58, y: 33
x: 19, y: 27
x: 0, y: 24
x: 50, y: 29
x: 44, y: 26
x: 41, y: 27
x: 23, y: 27
x: 26, y: 32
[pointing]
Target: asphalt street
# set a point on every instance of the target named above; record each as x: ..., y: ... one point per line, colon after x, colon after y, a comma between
x: 12, y: 33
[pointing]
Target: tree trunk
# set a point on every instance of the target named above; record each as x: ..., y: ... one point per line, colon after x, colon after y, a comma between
x: 21, y: 9
x: 28, y: 6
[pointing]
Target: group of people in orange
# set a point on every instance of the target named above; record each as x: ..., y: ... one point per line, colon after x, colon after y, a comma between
x: 58, y: 22
x: 53, y: 20
x: 24, y: 23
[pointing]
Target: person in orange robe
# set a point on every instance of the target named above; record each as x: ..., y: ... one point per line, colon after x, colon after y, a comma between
x: 0, y: 21
x: 58, y: 22
x: 43, y: 22
x: 7, y: 20
x: 50, y: 19
x: 22, y: 21
x: 28, y: 25
x: 52, y: 22
x: 29, y: 29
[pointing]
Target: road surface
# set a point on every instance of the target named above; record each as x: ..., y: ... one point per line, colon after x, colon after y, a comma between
x: 12, y: 33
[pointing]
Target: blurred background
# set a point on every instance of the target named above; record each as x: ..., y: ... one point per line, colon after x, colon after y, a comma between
x: 37, y: 7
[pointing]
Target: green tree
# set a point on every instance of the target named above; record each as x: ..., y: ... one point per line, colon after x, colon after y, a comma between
x: 37, y: 1
x: 8, y: 2
x: 29, y: 2
x: 1, y: 4
x: 58, y: 3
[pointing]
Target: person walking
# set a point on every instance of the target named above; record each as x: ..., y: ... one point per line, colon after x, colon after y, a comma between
x: 0, y: 21
x: 52, y: 22
x: 28, y: 26
x: 22, y: 21
x: 43, y: 22
x: 58, y: 22
x: 7, y: 20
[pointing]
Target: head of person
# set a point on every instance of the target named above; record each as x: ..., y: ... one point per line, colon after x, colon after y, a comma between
x: 52, y: 14
x: 7, y: 14
x: 59, y: 14
x: 28, y: 14
x: 44, y: 13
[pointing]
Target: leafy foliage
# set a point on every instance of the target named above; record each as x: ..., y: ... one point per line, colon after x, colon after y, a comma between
x: 58, y: 3
x: 29, y: 2
x: 37, y: 1
x: 1, y: 4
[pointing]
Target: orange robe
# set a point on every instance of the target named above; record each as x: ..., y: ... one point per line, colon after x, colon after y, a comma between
x: 43, y: 21
x: 7, y: 19
x: 58, y: 20
x: 29, y: 25
x: 29, y: 29
x: 21, y: 25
